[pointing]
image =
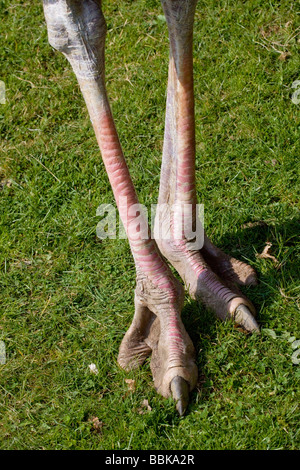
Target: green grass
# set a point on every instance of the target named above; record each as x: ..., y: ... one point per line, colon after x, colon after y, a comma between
x: 66, y: 298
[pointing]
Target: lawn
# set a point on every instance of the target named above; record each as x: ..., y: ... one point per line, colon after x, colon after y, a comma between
x: 66, y: 297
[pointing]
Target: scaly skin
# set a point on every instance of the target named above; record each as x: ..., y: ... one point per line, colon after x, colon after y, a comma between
x: 226, y: 266
x: 157, y: 328
x: 208, y: 273
x: 77, y: 29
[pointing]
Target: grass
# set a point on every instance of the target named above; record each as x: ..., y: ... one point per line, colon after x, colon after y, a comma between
x: 66, y: 298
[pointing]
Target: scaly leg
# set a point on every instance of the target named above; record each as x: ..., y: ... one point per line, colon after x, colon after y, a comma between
x: 77, y: 29
x: 199, y: 268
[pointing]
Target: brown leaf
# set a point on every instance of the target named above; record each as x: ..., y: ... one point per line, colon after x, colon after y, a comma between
x: 145, y: 407
x: 5, y: 182
x: 258, y: 223
x: 265, y: 253
x: 97, y: 425
x: 284, y: 55
x: 273, y: 162
x: 130, y: 384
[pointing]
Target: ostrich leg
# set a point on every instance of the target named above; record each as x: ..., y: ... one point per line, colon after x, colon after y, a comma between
x: 208, y: 273
x: 77, y: 29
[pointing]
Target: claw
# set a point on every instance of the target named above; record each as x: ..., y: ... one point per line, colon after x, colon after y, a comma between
x: 244, y: 318
x: 180, y: 393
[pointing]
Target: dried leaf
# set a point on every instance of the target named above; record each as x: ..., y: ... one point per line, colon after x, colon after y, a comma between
x: 5, y: 182
x: 258, y: 223
x: 265, y: 253
x: 144, y: 408
x: 284, y: 55
x: 130, y: 384
x: 97, y: 425
x: 146, y: 405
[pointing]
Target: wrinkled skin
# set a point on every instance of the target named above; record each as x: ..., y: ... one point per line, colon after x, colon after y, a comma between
x: 77, y: 29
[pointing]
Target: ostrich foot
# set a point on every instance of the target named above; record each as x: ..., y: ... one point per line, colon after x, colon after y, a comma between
x: 199, y: 271
x: 227, y: 267
x: 157, y: 330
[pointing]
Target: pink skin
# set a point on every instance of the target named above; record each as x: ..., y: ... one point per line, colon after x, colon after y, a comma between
x: 77, y: 29
x: 146, y: 255
x: 177, y: 184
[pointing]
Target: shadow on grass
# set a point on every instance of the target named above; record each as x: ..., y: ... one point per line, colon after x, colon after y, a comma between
x: 245, y: 244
